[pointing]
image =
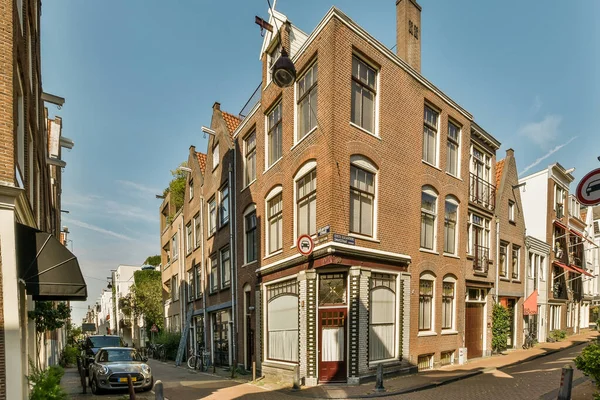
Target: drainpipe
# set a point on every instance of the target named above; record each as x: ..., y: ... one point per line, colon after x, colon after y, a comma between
x: 232, y: 258
x: 497, y: 258
x: 204, y: 328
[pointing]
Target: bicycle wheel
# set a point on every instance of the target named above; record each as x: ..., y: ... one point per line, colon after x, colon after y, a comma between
x: 191, y: 362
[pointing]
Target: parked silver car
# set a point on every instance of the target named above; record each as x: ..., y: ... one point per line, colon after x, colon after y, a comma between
x: 112, y: 365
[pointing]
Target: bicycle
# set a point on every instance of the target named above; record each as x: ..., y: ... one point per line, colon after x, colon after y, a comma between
x: 529, y: 341
x: 161, y: 351
x: 200, y: 360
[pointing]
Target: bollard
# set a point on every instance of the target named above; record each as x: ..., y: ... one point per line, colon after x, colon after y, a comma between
x: 253, y: 371
x: 379, y: 382
x: 81, y: 371
x: 296, y: 383
x: 130, y: 385
x: 158, y: 391
x: 566, y: 383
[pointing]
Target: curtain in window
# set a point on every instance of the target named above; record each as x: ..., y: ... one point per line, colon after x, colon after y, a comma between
x: 332, y: 344
x: 382, y: 332
x: 283, y: 328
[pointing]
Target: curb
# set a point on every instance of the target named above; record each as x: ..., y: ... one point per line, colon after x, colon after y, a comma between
x: 467, y: 375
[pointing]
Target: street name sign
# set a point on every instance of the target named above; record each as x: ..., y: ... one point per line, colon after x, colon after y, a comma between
x: 588, y: 190
x: 344, y: 239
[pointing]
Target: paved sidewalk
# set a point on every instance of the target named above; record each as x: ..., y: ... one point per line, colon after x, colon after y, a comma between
x: 431, y: 379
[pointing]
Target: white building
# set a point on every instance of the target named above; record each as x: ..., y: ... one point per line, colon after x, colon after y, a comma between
x: 591, y: 215
x: 105, y: 315
x: 122, y: 280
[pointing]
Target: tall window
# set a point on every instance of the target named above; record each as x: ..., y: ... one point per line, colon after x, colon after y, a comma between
x: 274, y: 135
x: 282, y: 321
x: 382, y: 332
x: 198, y: 280
x: 273, y: 55
x: 175, y: 287
x: 307, y: 102
x: 306, y: 203
x: 452, y: 159
x: 20, y: 121
x: 448, y: 287
x: 214, y: 265
x: 479, y: 228
x: 450, y: 232
x: 503, y: 259
x: 559, y: 198
x: 197, y: 226
x: 428, y: 217
x: 250, y: 229
x: 212, y: 216
x: 225, y: 268
x: 250, y: 150
x: 511, y: 210
x: 175, y: 246
x: 216, y: 157
x: 189, y: 234
x: 224, y: 205
x: 362, y: 200
x: 430, y: 130
x: 516, y: 263
x: 191, y: 189
x: 364, y: 90
x: 274, y: 210
x: 425, y: 304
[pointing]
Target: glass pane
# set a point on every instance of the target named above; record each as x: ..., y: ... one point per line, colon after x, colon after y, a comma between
x: 313, y: 216
x: 332, y: 289
x: 313, y: 108
x: 303, y: 218
x: 368, y: 111
x: 354, y: 212
x: 382, y: 306
x: 332, y: 344
x: 356, y: 104
x: 366, y: 215
x: 428, y: 202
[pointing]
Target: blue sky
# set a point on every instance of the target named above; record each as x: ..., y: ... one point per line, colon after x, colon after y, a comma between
x: 140, y: 77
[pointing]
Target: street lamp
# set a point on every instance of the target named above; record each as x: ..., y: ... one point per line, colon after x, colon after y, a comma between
x: 284, y: 71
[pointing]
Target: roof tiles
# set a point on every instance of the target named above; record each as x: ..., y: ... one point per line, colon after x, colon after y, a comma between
x: 231, y: 121
x: 201, y: 161
x: 499, y: 168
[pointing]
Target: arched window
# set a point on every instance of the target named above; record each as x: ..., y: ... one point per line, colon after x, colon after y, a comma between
x: 362, y: 196
x: 282, y: 321
x: 448, y: 302
x: 426, y: 298
x: 305, y: 196
x: 428, y: 217
x: 450, y: 223
x: 250, y: 234
x: 274, y: 220
x: 382, y: 327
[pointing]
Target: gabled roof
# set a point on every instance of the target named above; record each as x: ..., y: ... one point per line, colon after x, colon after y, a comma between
x: 201, y: 161
x: 499, y: 168
x: 231, y: 121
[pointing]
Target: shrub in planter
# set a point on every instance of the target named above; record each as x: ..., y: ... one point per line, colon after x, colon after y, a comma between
x: 500, y: 327
x: 589, y: 363
x: 46, y: 383
x: 171, y: 342
x: 558, y: 335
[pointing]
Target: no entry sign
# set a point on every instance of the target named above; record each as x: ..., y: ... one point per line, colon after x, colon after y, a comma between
x: 305, y: 245
x: 588, y: 190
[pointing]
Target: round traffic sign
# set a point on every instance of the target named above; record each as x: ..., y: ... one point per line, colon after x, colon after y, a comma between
x: 588, y: 190
x: 305, y: 245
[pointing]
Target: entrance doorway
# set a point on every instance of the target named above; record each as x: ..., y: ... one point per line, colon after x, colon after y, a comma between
x: 221, y: 338
x: 332, y: 352
x: 474, y: 329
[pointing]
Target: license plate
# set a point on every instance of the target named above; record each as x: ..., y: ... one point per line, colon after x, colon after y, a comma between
x: 125, y: 379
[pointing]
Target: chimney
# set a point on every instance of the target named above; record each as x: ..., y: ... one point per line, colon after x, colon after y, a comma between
x: 217, y: 106
x: 408, y: 32
x: 510, y: 153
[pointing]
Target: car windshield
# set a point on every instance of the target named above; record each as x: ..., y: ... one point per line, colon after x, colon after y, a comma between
x: 105, y: 341
x: 116, y: 355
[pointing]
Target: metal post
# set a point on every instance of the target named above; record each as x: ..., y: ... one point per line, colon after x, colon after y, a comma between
x: 566, y: 383
x: 81, y: 370
x: 253, y: 371
x: 296, y: 383
x: 158, y: 391
x: 130, y: 386
x: 379, y: 382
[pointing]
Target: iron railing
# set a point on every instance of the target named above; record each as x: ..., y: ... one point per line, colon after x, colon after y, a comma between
x: 482, y: 193
x: 481, y: 256
x: 254, y: 98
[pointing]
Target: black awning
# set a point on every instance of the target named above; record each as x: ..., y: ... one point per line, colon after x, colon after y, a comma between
x: 49, y: 269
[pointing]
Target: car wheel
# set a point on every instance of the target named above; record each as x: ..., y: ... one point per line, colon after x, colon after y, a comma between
x: 94, y: 385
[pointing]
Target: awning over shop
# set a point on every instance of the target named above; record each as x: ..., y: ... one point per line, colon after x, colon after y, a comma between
x: 565, y: 266
x: 560, y: 224
x: 50, y: 271
x: 580, y: 270
x: 583, y: 237
x: 530, y: 304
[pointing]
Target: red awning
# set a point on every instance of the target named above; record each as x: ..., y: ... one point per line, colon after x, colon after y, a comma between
x: 530, y: 304
x: 583, y: 237
x: 556, y: 222
x: 565, y: 266
x: 580, y: 270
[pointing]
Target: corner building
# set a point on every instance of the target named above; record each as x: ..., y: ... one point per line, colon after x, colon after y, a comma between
x: 375, y: 163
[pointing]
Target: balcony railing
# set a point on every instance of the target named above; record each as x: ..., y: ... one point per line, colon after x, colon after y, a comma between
x: 482, y: 193
x: 481, y: 256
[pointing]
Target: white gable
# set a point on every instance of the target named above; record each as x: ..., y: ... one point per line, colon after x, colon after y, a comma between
x: 277, y: 20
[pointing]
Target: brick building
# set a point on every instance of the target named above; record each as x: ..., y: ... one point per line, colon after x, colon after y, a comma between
x: 30, y: 197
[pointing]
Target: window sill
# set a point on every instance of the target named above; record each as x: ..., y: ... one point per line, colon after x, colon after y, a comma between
x: 516, y: 281
x: 451, y: 255
x: 365, y: 131
x: 226, y: 287
x: 248, y: 185
x: 303, y: 138
x: 211, y: 234
x: 272, y: 165
x: 502, y: 278
x: 275, y: 253
x: 363, y: 237
x: 426, y: 333
x: 250, y: 263
x: 431, y: 165
x: 449, y: 332
x: 454, y: 176
x: 422, y: 250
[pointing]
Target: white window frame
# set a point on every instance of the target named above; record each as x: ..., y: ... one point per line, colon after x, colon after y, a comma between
x: 214, y: 266
x: 268, y: 162
x: 271, y: 60
x: 19, y: 5
x: 486, y: 232
x: 197, y: 281
x: 427, y: 276
x: 222, y: 267
x: 559, y: 197
x: 396, y: 291
x: 189, y: 238
x: 175, y: 246
x: 364, y: 163
x: 224, y: 199
x: 458, y: 145
x: 20, y: 121
x: 376, y: 92
x: 436, y: 129
x: 251, y: 208
x: 273, y: 193
x: 518, y: 249
x: 212, y: 216
x: 249, y: 153
x: 511, y: 211
x: 305, y: 169
x: 216, y: 158
x: 454, y: 201
x: 450, y: 279
x: 191, y: 188
x: 266, y: 301
x: 197, y: 228
x: 486, y: 163
x: 175, y: 287
x: 503, y: 245
x: 306, y: 94
x: 431, y: 192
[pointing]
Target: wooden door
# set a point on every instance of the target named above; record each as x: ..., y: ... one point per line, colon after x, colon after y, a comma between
x: 332, y: 345
x: 474, y: 330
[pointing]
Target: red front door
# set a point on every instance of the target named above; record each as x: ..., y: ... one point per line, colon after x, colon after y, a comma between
x: 332, y: 345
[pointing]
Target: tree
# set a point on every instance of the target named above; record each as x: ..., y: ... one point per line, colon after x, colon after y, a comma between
x: 153, y: 260
x: 500, y: 327
x: 177, y: 187
x: 48, y: 317
x: 146, y: 297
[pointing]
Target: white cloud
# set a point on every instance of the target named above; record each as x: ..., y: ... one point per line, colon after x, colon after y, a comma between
x: 537, y: 104
x: 139, y: 187
x: 95, y: 228
x: 548, y: 154
x: 542, y: 132
x: 132, y: 212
